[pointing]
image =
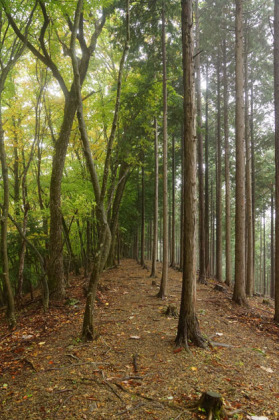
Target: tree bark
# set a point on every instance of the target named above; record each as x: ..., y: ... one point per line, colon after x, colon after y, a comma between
x: 276, y: 100
x: 249, y: 213
x: 164, y: 280
x: 4, y: 226
x: 202, y: 267
x: 239, y: 286
x: 156, y: 203
x: 172, y: 259
x: 206, y: 192
x: 219, y: 251
x: 272, y: 277
x: 188, y: 327
x: 228, y: 280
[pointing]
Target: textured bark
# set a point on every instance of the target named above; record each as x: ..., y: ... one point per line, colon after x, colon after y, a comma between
x: 202, y: 267
x: 172, y: 259
x: 272, y: 277
x: 276, y: 100
x: 156, y: 203
x: 4, y: 225
x: 22, y: 255
x: 239, y: 286
x: 206, y: 189
x: 228, y: 280
x: 219, y: 275
x: 188, y: 327
x: 264, y: 258
x: 164, y: 280
x: 142, y: 237
x: 249, y: 213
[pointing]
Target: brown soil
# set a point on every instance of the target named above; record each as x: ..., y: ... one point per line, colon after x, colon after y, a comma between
x: 133, y: 370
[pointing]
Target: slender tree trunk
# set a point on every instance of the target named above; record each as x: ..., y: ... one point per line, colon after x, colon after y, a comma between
x: 253, y: 171
x: 248, y: 194
x: 206, y: 194
x: 202, y: 267
x: 188, y: 327
x: 22, y: 254
x: 55, y: 266
x: 164, y: 280
x: 172, y: 260
x: 239, y: 286
x: 142, y: 259
x: 4, y: 227
x: 228, y: 280
x: 156, y: 203
x: 219, y: 275
x: 276, y: 100
x: 182, y: 203
x: 272, y: 278
x: 264, y: 258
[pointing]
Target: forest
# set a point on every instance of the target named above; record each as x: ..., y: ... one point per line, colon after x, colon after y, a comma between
x: 139, y: 150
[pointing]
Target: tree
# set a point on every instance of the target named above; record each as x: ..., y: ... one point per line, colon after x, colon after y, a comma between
x: 188, y: 327
x: 55, y: 266
x: 10, y: 51
x: 202, y: 269
x: 156, y: 203
x: 239, y: 286
x: 276, y: 101
x: 164, y: 280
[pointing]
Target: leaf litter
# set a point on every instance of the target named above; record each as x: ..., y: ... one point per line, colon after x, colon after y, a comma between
x: 133, y: 370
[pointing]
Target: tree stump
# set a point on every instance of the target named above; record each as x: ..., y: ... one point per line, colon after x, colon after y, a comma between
x: 212, y: 404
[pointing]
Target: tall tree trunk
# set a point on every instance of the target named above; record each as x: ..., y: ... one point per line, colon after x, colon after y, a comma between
x: 264, y: 257
x: 202, y: 267
x: 142, y: 252
x: 4, y: 226
x: 219, y: 275
x: 188, y: 327
x: 182, y: 203
x: 276, y: 100
x: 172, y: 259
x: 55, y: 266
x: 239, y: 286
x: 206, y: 192
x: 228, y: 280
x: 248, y: 193
x: 164, y: 280
x: 272, y: 278
x: 156, y: 203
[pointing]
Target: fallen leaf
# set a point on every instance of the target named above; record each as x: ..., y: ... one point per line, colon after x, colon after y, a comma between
x: 269, y: 370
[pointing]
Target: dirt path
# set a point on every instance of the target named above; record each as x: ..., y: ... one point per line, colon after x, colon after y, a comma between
x: 132, y: 371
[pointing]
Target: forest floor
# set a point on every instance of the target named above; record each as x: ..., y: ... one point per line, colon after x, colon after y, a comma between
x: 133, y: 370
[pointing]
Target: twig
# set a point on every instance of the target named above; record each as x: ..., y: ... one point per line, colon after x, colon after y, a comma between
x: 63, y: 403
x: 180, y: 414
x: 135, y: 362
x: 104, y: 382
x: 72, y: 355
x: 6, y: 336
x: 128, y: 410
